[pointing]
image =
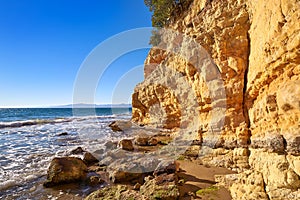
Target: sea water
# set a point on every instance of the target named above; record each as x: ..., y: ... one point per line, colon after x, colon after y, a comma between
x: 30, y: 138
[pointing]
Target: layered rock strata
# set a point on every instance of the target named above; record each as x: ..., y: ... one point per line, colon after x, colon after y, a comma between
x: 253, y: 49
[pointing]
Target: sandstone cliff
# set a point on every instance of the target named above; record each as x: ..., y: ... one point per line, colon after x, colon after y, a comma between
x: 254, y: 46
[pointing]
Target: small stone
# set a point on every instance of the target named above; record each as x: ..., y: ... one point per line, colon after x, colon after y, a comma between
x: 78, y: 150
x: 62, y: 134
x: 110, y: 145
x: 114, y: 126
x: 164, y: 178
x: 141, y: 140
x: 32, y: 189
x: 137, y: 186
x: 152, y: 142
x: 89, y: 159
x: 126, y: 144
x: 95, y: 180
x: 120, y: 125
x: 181, y: 182
x: 99, y: 151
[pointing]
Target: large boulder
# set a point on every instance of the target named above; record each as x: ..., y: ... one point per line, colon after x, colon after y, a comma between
x: 65, y: 170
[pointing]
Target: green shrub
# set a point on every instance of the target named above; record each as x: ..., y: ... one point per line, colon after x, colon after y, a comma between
x: 164, y: 10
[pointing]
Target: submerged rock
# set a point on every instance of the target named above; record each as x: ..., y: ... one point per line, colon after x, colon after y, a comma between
x: 65, y: 170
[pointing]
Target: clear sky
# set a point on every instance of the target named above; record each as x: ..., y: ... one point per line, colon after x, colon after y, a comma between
x: 43, y: 44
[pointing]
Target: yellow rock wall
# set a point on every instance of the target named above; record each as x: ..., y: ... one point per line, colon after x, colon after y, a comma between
x: 255, y: 45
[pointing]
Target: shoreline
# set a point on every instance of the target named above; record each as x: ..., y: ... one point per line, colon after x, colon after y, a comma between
x: 191, y: 178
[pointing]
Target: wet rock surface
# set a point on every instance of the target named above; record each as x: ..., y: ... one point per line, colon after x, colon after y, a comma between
x: 65, y: 170
x: 89, y: 158
x: 120, y: 125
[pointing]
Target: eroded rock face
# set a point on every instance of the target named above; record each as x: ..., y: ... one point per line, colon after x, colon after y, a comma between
x: 246, y: 185
x: 65, y: 170
x: 255, y: 48
x: 221, y: 27
x: 273, y: 74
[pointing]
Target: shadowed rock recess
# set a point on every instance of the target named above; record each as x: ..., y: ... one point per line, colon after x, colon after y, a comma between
x: 255, y: 46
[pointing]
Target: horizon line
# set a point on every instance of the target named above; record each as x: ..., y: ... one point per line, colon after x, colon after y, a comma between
x: 71, y: 105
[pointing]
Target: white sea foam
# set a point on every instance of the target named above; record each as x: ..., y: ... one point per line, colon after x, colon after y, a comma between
x: 16, y: 124
x: 26, y: 151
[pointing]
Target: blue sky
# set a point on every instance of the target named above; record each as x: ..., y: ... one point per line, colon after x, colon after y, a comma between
x: 43, y: 44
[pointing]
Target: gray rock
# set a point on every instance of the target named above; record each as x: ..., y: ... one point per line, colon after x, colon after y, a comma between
x: 109, y: 145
